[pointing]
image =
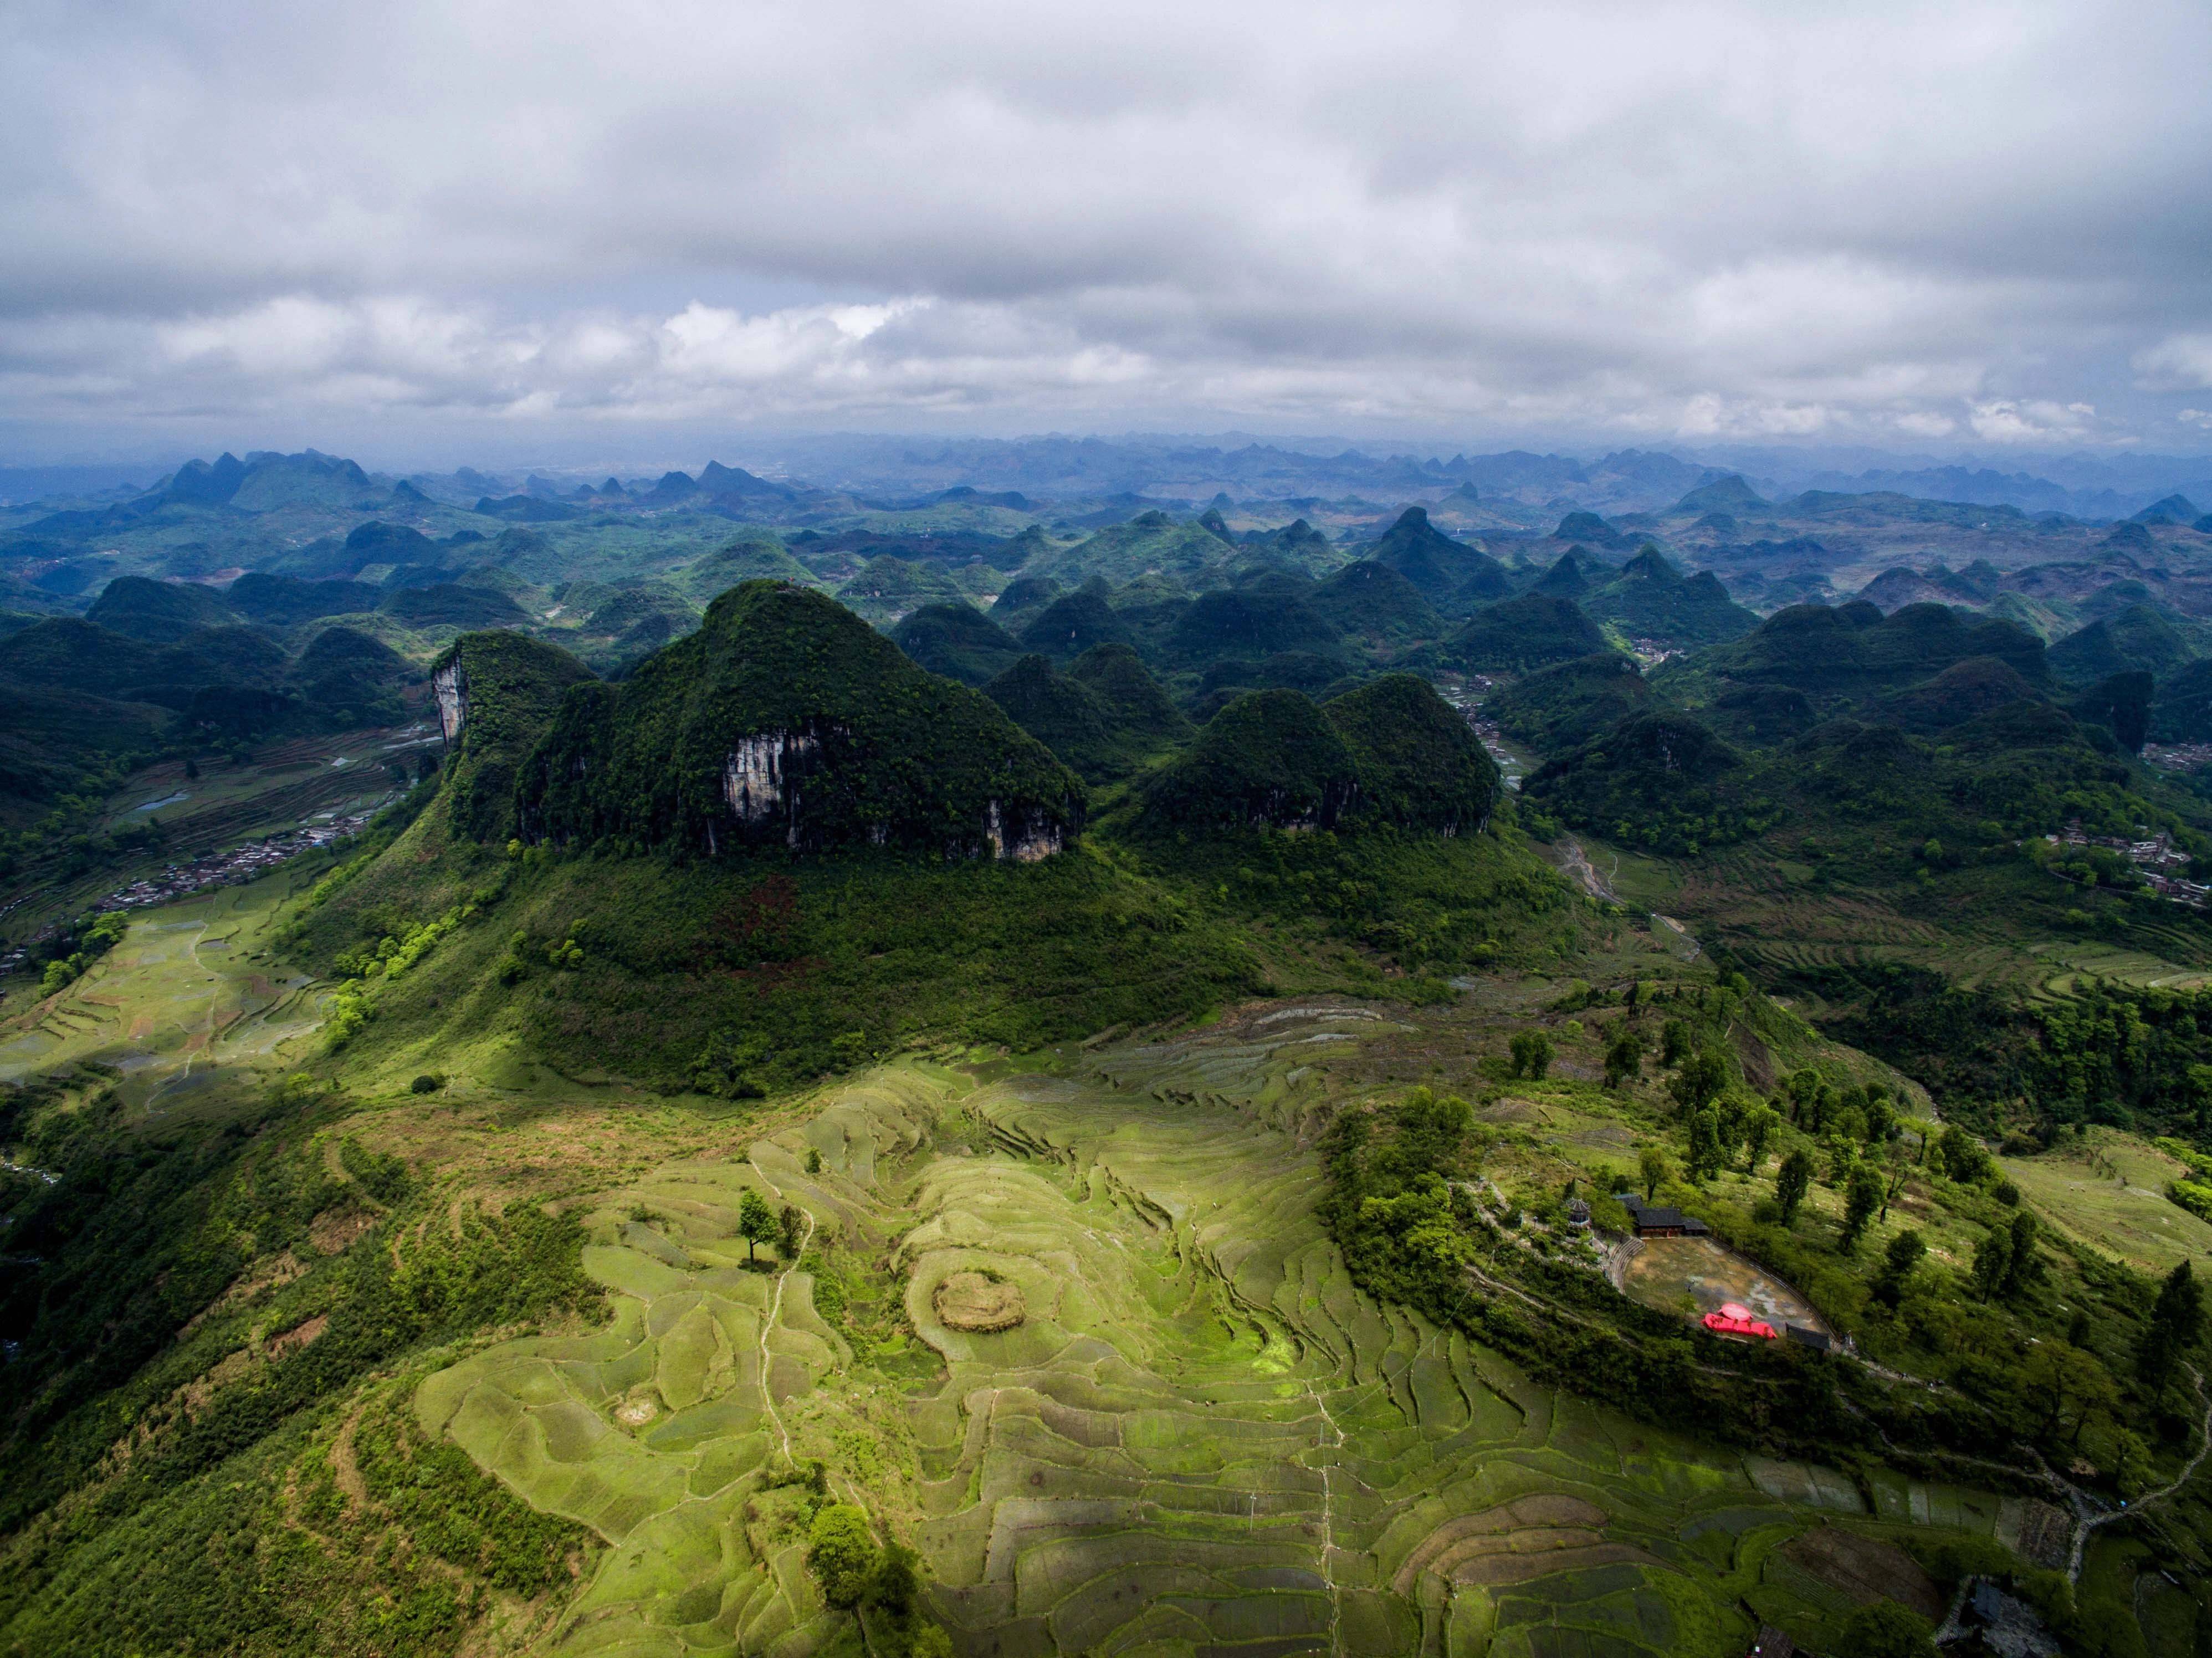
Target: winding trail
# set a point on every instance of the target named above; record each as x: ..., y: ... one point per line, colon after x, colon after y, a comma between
x: 767, y: 1328
x: 1329, y: 1522
x: 1575, y: 864
x: 2090, y: 1523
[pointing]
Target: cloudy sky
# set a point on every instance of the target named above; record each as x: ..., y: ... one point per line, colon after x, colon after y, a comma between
x: 556, y: 227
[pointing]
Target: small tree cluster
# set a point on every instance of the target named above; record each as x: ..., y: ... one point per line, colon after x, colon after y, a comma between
x: 1532, y: 1055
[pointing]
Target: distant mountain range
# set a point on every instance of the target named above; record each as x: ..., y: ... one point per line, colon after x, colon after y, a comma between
x: 1137, y: 471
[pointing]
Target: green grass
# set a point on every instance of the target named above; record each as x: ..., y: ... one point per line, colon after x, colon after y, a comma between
x: 2108, y: 1192
x: 1202, y: 1429
x: 1201, y: 1402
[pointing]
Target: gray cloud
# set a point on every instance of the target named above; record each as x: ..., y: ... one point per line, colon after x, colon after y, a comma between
x: 1983, y: 223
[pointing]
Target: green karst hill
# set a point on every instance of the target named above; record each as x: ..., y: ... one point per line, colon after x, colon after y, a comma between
x: 1569, y: 703
x: 2182, y: 711
x: 1061, y: 713
x: 1660, y: 778
x: 450, y: 605
x: 1651, y: 599
x: 2137, y: 638
x: 1419, y: 766
x: 1247, y: 623
x: 1137, y: 704
x: 76, y: 653
x: 1296, y: 546
x: 1565, y: 579
x: 497, y: 694
x: 159, y: 612
x: 282, y: 601
x: 1270, y: 758
x: 1841, y: 656
x: 1520, y: 634
x: 1979, y: 685
x: 786, y: 721
x: 1020, y: 600
x: 891, y: 587
x: 750, y: 558
x: 1391, y: 751
x: 958, y: 641
x: 1072, y: 624
x: 1375, y: 604
x: 1152, y: 544
x: 1450, y: 574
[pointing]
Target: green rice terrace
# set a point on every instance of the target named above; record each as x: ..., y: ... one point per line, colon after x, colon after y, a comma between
x: 1201, y: 1436
x: 991, y: 1355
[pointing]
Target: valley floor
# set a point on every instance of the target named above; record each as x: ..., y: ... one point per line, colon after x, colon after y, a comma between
x: 1201, y: 1438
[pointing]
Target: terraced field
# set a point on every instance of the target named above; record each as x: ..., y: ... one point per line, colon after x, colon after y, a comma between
x: 1199, y: 1440
x: 1764, y: 909
x: 288, y: 785
x: 184, y: 1008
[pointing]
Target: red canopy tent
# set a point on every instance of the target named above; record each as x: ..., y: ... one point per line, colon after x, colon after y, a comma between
x: 1735, y: 1321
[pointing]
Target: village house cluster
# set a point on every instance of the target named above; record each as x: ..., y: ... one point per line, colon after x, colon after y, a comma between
x: 2157, y: 857
x: 215, y: 869
x: 235, y: 867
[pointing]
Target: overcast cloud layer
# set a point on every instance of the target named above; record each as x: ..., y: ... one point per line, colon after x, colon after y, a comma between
x: 1966, y: 225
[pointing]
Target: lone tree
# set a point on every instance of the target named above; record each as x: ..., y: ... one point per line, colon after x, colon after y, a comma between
x: 1992, y: 1264
x: 1700, y: 1078
x: 1791, y: 1182
x: 2177, y: 1322
x: 1861, y: 1198
x: 1623, y: 1058
x: 2023, y: 1268
x: 1532, y: 1055
x: 755, y: 1221
x: 841, y: 1554
x: 1760, y: 1124
x: 1897, y: 1262
x: 790, y: 1227
x: 1654, y: 1164
x: 1706, y: 1155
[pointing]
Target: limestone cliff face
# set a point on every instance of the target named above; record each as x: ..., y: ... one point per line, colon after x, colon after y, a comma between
x: 1026, y: 838
x: 452, y: 687
x: 497, y: 694
x: 761, y: 779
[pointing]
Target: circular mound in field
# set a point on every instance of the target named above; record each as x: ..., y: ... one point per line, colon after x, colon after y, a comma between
x: 969, y: 1300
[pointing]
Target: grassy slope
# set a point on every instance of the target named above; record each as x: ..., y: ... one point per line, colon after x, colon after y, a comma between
x: 742, y: 974
x: 1158, y: 1197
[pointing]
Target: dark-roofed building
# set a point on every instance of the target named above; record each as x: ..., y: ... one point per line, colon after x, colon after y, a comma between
x: 1771, y: 1643
x: 1817, y: 1340
x: 1657, y: 1221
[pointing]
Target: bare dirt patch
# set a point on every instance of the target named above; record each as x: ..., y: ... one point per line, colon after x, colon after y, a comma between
x: 970, y: 1301
x: 345, y: 1472
x: 300, y: 1335
x: 636, y: 1412
x: 1865, y: 1569
x: 270, y: 1272
x: 1697, y: 1276
x: 335, y: 1231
